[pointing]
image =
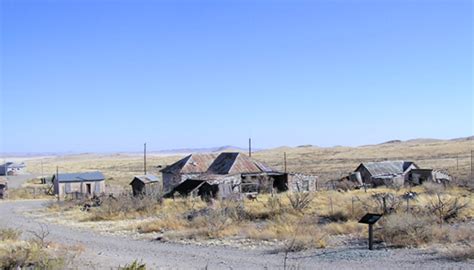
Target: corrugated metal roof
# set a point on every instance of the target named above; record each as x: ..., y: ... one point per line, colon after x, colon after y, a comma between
x: 149, y: 178
x: 78, y: 177
x: 392, y: 167
x: 234, y: 162
x: 194, y: 163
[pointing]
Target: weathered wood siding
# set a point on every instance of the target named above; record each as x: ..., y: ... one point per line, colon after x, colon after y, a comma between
x: 301, y: 182
x: 64, y: 188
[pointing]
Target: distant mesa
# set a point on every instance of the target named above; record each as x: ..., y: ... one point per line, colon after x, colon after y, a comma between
x: 391, y: 142
x: 305, y: 146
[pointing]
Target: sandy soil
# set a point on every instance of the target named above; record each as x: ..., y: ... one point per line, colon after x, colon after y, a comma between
x: 109, y: 251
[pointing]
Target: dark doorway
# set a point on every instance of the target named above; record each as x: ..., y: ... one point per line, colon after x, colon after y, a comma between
x: 88, y: 189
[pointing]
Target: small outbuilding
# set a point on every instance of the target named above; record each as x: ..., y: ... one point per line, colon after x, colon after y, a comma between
x: 12, y: 168
x: 73, y: 184
x: 392, y: 172
x: 419, y: 176
x: 146, y: 185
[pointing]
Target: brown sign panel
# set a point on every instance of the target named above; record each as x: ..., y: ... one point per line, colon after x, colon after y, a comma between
x: 370, y: 218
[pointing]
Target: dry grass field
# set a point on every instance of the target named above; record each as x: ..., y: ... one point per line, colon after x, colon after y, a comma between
x: 439, y: 218
x: 327, y: 163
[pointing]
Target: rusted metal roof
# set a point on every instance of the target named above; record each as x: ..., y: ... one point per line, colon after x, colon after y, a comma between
x: 149, y: 178
x: 234, y: 163
x: 194, y: 163
x: 393, y: 167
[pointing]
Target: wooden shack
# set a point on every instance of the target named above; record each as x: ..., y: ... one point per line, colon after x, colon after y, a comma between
x: 383, y: 172
x: 419, y: 176
x: 146, y: 185
x: 82, y: 184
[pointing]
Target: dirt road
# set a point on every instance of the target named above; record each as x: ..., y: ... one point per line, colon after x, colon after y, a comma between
x: 106, y: 251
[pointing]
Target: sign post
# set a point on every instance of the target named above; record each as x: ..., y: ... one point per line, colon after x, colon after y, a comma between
x: 370, y: 219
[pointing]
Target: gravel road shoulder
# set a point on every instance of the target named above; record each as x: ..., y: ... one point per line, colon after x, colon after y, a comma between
x: 109, y: 251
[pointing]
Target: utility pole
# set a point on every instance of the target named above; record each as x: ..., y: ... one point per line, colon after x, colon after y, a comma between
x: 144, y: 158
x: 250, y: 147
x: 284, y: 160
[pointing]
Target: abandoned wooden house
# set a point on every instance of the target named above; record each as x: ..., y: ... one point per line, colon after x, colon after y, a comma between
x: 74, y: 184
x: 419, y: 176
x: 389, y: 173
x: 146, y: 185
x: 11, y: 168
x: 231, y: 174
x: 189, y: 166
x: 3, y: 188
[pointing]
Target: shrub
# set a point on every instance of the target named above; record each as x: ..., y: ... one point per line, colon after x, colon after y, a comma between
x: 446, y: 208
x: 387, y: 202
x: 433, y: 188
x: 299, y: 201
x: 32, y: 256
x: 407, y: 230
x: 135, y: 265
x: 9, y: 234
x: 338, y: 216
x: 124, y: 206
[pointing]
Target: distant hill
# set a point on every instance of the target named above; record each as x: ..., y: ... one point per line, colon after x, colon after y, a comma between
x: 470, y: 138
x: 225, y: 148
x: 426, y: 140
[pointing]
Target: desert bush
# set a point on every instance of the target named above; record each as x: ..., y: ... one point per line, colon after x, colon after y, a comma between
x: 407, y: 230
x: 9, y: 234
x: 28, y: 192
x: 30, y: 255
x: 387, y: 202
x: 345, y: 228
x: 301, y: 237
x: 299, y: 201
x: 274, y: 205
x: 433, y: 188
x: 446, y: 208
x: 135, y: 265
x: 337, y: 216
x: 33, y: 253
x: 123, y: 207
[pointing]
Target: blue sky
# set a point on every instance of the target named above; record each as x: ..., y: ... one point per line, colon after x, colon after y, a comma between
x: 100, y: 76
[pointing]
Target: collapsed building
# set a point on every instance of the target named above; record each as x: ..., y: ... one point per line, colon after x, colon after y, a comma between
x: 231, y: 174
x: 419, y: 176
x: 395, y: 173
x: 388, y: 173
